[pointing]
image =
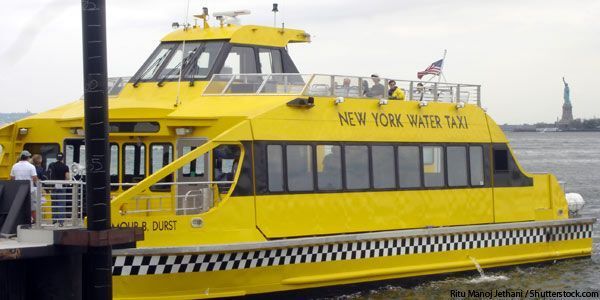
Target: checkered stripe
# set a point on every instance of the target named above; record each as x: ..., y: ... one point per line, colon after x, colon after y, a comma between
x: 206, y: 262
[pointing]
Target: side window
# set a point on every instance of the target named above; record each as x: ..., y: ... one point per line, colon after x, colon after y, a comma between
x: 299, y: 168
x: 134, y: 163
x: 384, y: 173
x: 356, y: 159
x: 433, y: 166
x: 457, y: 166
x: 240, y: 60
x: 69, y: 155
x: 196, y: 167
x: 476, y: 165
x: 329, y: 167
x: 225, y: 164
x: 160, y: 156
x: 500, y: 160
x: 82, y: 161
x: 275, y: 168
x: 75, y: 153
x: 409, y: 167
x: 270, y: 61
x: 114, y: 166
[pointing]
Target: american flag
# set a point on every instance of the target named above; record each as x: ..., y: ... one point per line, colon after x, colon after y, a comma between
x: 434, y: 69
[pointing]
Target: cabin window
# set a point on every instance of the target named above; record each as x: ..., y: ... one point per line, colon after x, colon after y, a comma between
x: 384, y: 173
x: 270, y: 61
x: 299, y: 168
x: 180, y: 59
x: 160, y: 156
x: 433, y: 166
x: 240, y: 60
x: 500, y: 160
x: 134, y: 163
x: 75, y: 153
x: 225, y: 163
x: 275, y: 168
x: 196, y: 167
x: 457, y: 165
x: 476, y: 165
x: 409, y: 168
x: 47, y: 151
x: 82, y: 160
x: 114, y: 166
x: 205, y: 60
x: 356, y: 159
x: 329, y: 167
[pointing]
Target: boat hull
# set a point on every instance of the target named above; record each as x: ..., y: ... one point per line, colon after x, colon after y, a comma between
x: 283, y: 265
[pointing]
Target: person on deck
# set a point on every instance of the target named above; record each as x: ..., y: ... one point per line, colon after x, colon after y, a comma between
x: 24, y: 170
x: 36, y: 159
x: 58, y: 170
x: 395, y: 93
x: 377, y: 90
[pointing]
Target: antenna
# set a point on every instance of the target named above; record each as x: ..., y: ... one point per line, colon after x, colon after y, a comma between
x: 275, y: 10
x: 187, y: 13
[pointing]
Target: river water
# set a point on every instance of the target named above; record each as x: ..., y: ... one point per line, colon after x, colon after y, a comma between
x: 575, y: 159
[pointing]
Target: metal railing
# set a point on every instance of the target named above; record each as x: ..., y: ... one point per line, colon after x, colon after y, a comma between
x: 324, y: 85
x: 59, y: 203
x: 189, y: 198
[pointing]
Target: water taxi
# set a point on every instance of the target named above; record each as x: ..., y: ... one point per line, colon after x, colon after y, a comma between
x: 249, y: 177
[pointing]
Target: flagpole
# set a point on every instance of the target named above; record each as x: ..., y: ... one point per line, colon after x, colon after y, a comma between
x: 442, y: 67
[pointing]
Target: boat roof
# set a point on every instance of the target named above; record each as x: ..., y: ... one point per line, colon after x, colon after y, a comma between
x: 246, y: 34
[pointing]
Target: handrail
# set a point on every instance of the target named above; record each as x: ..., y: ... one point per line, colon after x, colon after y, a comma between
x: 63, y: 207
x: 173, y: 183
x: 328, y: 85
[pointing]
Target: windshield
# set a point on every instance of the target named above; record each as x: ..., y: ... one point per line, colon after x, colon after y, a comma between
x: 195, y: 59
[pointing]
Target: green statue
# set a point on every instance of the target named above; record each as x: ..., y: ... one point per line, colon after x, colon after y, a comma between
x: 567, y: 93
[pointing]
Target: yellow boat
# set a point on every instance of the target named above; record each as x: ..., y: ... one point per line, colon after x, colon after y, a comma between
x: 249, y: 177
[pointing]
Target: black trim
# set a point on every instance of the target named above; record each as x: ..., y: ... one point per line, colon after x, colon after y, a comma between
x: 244, y: 185
x: 288, y: 64
x: 261, y: 168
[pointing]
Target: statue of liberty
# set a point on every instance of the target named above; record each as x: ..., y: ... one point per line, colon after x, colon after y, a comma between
x: 566, y: 93
x: 567, y: 108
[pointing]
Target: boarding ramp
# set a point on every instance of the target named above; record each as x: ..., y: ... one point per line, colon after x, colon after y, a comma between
x: 323, y: 85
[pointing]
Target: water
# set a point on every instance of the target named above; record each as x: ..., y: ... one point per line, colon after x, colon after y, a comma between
x: 575, y: 159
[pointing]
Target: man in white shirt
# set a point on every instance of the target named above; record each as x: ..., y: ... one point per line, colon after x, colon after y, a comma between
x: 24, y: 170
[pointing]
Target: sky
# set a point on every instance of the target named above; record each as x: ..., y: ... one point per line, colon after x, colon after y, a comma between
x: 517, y: 50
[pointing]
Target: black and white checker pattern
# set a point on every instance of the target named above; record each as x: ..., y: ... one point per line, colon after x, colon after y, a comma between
x: 207, y: 262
